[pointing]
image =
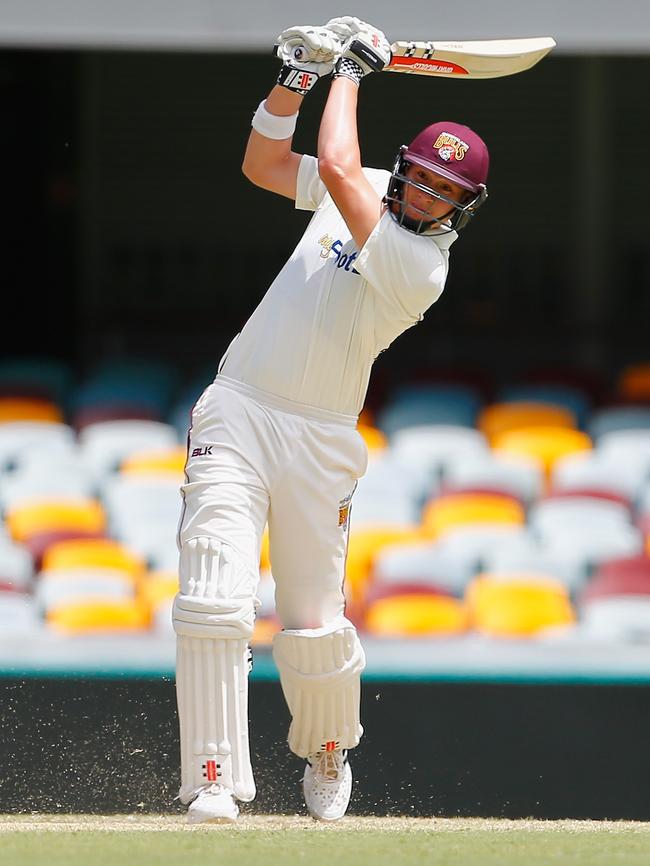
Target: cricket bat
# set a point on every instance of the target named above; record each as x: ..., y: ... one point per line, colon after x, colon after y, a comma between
x: 480, y: 58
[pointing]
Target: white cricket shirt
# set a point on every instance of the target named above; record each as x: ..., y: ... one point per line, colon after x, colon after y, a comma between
x: 333, y: 308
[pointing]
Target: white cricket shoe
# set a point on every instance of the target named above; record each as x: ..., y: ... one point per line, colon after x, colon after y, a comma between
x: 213, y: 804
x: 327, y: 785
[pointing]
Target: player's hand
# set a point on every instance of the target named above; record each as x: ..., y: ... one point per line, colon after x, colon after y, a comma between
x: 347, y: 26
x: 365, y: 48
x: 307, y: 54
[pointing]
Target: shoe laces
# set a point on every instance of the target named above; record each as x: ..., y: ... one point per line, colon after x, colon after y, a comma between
x: 328, y: 766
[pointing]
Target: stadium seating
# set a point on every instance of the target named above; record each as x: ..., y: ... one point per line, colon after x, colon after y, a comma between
x: 19, y: 439
x: 544, y: 443
x: 633, y: 382
x: 421, y: 562
x: 16, y: 409
x: 105, y: 445
x: 415, y: 613
x: 38, y: 376
x: 16, y: 566
x: 468, y: 520
x: 592, y: 470
x: 106, y: 616
x: 425, y: 450
x: 159, y: 461
x: 42, y: 515
x: 506, y: 417
x: 517, y: 475
x: 448, y: 511
x: 82, y: 553
x: 518, y: 606
x: 569, y: 396
x: 610, y: 418
x: 415, y: 405
x: 143, y: 511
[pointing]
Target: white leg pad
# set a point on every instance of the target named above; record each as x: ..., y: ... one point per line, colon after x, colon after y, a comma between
x: 320, y: 671
x: 213, y: 617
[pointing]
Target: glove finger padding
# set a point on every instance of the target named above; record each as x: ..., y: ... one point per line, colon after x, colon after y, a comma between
x: 317, y: 43
x: 307, y: 54
x: 347, y: 26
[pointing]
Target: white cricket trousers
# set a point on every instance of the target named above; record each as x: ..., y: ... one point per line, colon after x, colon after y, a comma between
x: 255, y: 458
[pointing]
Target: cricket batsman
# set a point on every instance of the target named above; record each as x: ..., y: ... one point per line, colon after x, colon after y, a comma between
x: 273, y: 439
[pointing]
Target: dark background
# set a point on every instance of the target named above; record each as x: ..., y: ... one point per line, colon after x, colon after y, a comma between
x: 430, y: 748
x: 130, y: 230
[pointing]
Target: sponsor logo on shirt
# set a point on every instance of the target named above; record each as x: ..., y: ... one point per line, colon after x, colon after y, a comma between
x: 341, y: 260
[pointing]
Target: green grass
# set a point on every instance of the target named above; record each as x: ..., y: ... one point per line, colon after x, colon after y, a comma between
x: 165, y: 841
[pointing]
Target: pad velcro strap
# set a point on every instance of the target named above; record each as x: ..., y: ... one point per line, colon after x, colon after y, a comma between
x: 299, y: 80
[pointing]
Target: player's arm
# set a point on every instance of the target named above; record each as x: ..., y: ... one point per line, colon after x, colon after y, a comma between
x: 307, y: 54
x: 270, y: 163
x: 339, y: 157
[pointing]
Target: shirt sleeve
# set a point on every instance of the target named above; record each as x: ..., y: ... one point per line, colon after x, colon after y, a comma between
x: 310, y: 189
x: 406, y: 272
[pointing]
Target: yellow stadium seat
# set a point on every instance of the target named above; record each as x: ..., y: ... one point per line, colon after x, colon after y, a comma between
x: 92, y: 553
x: 416, y: 615
x: 460, y: 509
x: 158, y: 586
x: 375, y: 440
x: 166, y: 461
x: 634, y: 382
x: 265, y: 560
x: 45, y: 515
x: 546, y: 444
x: 264, y: 629
x: 498, y: 418
x: 363, y: 546
x: 91, y: 616
x: 517, y: 606
x: 29, y: 409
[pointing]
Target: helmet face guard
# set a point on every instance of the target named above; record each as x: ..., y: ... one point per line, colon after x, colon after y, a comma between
x: 461, y: 212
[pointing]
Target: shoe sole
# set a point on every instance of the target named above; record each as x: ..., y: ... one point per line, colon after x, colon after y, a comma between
x: 219, y: 819
x: 326, y: 820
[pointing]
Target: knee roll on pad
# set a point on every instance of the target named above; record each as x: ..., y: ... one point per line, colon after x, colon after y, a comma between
x: 213, y: 616
x: 320, y: 671
x: 217, y: 592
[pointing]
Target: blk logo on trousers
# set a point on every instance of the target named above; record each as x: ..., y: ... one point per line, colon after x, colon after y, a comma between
x: 201, y: 452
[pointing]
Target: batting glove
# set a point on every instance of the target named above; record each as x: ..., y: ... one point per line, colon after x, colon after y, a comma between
x: 307, y: 54
x: 365, y: 48
x: 366, y: 52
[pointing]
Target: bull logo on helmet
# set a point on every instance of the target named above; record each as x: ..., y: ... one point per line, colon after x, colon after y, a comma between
x: 450, y: 147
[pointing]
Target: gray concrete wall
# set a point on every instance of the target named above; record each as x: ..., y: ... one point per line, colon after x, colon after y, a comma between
x: 582, y: 26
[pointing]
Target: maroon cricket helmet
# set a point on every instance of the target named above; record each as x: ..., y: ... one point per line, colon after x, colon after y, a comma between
x: 453, y: 151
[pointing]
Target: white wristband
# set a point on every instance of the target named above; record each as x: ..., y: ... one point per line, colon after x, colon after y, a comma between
x: 273, y: 125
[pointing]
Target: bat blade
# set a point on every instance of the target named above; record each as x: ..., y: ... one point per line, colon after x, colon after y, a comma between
x: 480, y: 58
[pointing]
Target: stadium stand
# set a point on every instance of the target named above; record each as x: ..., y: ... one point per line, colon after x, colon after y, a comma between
x: 507, y: 513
